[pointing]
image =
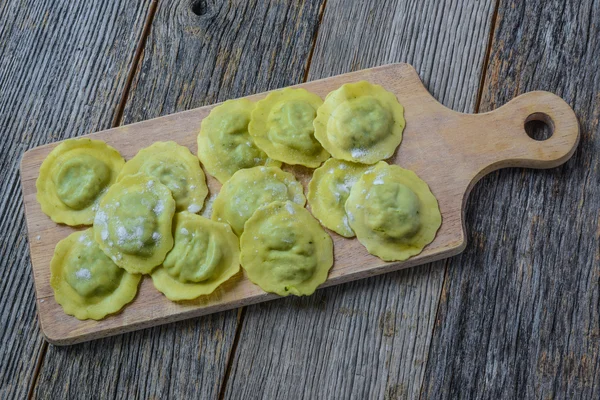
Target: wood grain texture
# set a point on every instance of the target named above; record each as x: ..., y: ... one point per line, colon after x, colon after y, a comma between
x: 520, y: 311
x: 369, y: 338
x: 457, y: 155
x: 231, y: 49
x: 57, y: 80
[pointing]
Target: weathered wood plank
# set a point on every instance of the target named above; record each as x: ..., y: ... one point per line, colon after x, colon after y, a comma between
x: 520, y: 311
x: 370, y: 338
x: 233, y: 49
x: 63, y: 66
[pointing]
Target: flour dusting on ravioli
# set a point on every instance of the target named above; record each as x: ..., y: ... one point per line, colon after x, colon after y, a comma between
x: 133, y: 223
x: 328, y: 191
x: 86, y: 282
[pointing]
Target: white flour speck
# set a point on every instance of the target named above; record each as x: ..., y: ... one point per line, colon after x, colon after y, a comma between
x: 378, y: 181
x: 290, y: 208
x: 83, y: 273
x: 358, y: 153
x: 156, y: 236
x: 38, y: 238
x: 192, y: 187
x: 85, y: 240
x: 159, y: 207
x: 42, y: 300
x: 121, y: 233
x: 101, y: 218
x: 150, y: 184
x: 344, y: 187
x: 104, y: 234
x: 184, y: 231
x: 193, y: 208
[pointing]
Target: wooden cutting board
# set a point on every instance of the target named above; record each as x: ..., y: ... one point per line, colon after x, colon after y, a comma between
x: 451, y: 151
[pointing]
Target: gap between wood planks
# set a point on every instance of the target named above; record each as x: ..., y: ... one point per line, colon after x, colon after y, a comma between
x: 484, y: 67
x: 116, y: 122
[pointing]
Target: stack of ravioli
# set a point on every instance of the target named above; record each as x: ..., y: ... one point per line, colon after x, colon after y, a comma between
x: 145, y: 217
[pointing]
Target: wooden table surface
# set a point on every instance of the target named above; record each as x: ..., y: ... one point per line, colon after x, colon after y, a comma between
x: 517, y: 315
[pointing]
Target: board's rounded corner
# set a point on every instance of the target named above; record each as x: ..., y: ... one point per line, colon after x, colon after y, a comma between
x: 49, y: 335
x: 54, y: 341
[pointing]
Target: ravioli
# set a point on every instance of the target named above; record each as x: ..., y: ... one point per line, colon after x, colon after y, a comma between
x: 224, y: 144
x: 74, y: 177
x: 285, y: 250
x: 206, y: 254
x: 282, y: 126
x: 86, y: 283
x: 328, y: 191
x: 249, y: 189
x: 174, y: 166
x: 360, y: 122
x: 393, y: 212
x: 133, y: 223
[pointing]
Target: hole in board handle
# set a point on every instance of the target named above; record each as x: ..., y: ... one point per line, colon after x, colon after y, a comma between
x: 539, y: 126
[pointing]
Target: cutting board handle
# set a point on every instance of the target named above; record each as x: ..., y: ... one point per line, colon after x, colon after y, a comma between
x: 503, y: 142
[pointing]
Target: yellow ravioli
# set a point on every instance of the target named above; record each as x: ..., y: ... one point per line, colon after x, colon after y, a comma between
x: 206, y: 254
x: 328, y: 191
x: 175, y: 167
x: 285, y: 250
x: 249, y: 189
x: 133, y: 223
x: 393, y: 212
x: 86, y: 283
x: 224, y: 144
x: 74, y: 177
x: 282, y: 126
x: 360, y: 122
